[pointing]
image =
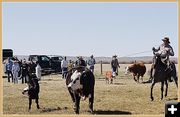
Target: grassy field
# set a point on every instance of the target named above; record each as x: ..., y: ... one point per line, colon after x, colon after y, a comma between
x: 124, y: 96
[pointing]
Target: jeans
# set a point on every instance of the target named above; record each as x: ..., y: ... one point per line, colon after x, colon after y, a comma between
x: 64, y: 72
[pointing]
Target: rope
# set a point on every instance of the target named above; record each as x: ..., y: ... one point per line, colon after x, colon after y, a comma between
x: 137, y: 53
x: 140, y: 52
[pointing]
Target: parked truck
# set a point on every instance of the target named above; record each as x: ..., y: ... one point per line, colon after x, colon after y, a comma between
x: 48, y: 65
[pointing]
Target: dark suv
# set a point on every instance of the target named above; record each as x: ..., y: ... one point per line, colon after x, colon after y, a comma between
x: 47, y: 64
x: 56, y: 64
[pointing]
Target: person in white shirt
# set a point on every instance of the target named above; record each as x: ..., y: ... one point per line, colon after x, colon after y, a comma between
x: 38, y: 71
x: 64, y: 67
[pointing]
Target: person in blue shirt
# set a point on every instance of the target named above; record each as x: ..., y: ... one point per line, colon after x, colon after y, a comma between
x: 91, y: 62
x: 9, y: 69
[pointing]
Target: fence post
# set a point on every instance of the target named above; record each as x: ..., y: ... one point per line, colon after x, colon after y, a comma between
x: 101, y: 67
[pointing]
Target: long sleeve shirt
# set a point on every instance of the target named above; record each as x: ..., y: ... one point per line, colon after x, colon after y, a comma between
x: 165, y: 50
x: 64, y: 64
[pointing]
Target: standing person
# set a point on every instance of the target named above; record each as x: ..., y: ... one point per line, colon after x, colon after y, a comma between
x: 32, y: 67
x: 81, y: 63
x: 70, y: 65
x: 164, y: 51
x: 24, y: 68
x: 15, y: 71
x: 38, y: 71
x: 9, y: 69
x: 91, y: 62
x: 64, y: 66
x: 114, y: 65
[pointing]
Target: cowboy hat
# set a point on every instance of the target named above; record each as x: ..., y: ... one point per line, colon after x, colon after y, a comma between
x: 115, y: 56
x: 166, y: 39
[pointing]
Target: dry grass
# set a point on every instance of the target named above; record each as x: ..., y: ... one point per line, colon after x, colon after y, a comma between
x: 125, y: 96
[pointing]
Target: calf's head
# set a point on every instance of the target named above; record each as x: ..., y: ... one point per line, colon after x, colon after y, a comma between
x: 75, y: 81
x: 126, y: 70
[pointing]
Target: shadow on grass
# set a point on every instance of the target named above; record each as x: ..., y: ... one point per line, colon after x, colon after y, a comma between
x: 53, y: 109
x: 117, y: 83
x: 145, y: 82
x: 170, y: 99
x: 111, y: 112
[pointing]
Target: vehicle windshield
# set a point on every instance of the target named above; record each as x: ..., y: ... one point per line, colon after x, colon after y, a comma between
x: 44, y: 58
x: 55, y: 58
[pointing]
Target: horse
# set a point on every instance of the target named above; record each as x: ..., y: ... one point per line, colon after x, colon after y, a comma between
x: 162, y: 74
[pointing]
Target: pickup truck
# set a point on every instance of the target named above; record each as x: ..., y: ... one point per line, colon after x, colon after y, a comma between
x: 48, y: 65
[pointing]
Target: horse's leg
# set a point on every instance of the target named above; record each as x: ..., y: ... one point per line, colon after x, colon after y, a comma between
x: 37, y: 103
x: 30, y: 102
x: 176, y: 81
x: 162, y: 89
x: 91, y: 101
x: 166, y: 83
x: 152, y: 98
x: 174, y: 74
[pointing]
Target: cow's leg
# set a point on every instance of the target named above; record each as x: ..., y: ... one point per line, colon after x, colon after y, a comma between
x: 111, y: 80
x: 135, y: 78
x: 152, y: 98
x: 166, y: 83
x: 162, y: 89
x: 91, y: 101
x: 151, y: 72
x: 73, y: 98
x: 77, y: 102
x: 106, y: 80
x: 30, y: 102
x: 142, y: 78
x: 37, y: 103
x: 138, y: 78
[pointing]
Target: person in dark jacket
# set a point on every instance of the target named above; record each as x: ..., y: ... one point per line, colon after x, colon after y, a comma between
x: 114, y: 65
x: 24, y: 68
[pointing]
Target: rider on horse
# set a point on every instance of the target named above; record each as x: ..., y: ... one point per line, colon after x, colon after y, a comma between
x: 164, y: 51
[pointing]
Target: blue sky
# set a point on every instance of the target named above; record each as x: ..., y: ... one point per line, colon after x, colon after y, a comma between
x: 102, y: 29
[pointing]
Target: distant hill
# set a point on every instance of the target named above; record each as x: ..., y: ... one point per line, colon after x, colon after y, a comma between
x: 146, y: 59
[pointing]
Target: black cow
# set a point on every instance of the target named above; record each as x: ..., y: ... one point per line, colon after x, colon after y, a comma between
x: 33, y: 88
x: 33, y: 91
x: 81, y: 84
